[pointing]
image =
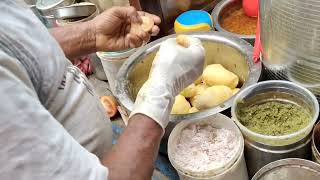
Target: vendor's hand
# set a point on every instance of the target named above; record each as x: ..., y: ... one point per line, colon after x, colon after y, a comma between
x: 112, y: 29
x: 173, y: 69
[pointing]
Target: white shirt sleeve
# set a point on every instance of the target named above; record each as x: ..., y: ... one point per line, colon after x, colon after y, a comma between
x: 34, y: 146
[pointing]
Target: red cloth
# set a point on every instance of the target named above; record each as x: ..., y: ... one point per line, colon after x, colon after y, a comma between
x: 257, y: 45
x: 84, y: 64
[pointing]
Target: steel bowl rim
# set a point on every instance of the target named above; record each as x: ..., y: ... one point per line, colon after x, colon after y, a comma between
x: 122, y: 92
x: 285, y: 162
x: 215, y: 18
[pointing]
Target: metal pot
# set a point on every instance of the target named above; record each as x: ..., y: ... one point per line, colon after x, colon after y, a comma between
x: 316, y: 144
x: 233, y: 53
x: 289, y: 169
x: 262, y: 149
x: 220, y: 9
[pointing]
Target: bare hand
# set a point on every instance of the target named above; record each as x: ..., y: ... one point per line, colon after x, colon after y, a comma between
x: 112, y: 29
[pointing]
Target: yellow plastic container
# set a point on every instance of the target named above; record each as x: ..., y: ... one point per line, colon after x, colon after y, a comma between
x: 194, y: 20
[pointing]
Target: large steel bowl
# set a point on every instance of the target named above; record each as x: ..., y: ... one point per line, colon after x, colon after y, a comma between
x: 233, y: 53
x: 218, y: 12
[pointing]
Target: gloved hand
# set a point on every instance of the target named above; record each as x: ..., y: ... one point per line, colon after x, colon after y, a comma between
x: 173, y: 69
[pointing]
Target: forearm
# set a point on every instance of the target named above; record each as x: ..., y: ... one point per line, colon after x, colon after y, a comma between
x: 75, y: 40
x: 134, y: 155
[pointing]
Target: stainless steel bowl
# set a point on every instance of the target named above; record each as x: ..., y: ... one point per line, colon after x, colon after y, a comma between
x: 217, y: 13
x: 233, y: 53
x: 289, y: 169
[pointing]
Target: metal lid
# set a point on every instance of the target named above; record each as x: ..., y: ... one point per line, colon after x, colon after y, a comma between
x: 289, y: 169
x: 45, y: 6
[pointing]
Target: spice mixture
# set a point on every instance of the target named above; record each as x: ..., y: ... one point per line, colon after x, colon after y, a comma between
x: 273, y: 118
x: 236, y: 21
x: 204, y: 147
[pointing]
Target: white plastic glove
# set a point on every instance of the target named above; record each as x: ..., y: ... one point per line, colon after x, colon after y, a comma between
x: 173, y: 69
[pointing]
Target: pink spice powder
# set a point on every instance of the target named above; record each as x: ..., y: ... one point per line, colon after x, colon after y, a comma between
x: 204, y: 147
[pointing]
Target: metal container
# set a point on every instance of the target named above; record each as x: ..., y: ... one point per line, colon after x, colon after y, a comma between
x: 258, y: 155
x: 234, y: 169
x: 72, y: 14
x: 289, y: 169
x: 316, y: 143
x: 262, y: 149
x: 80, y: 11
x: 46, y: 6
x: 219, y: 11
x: 233, y: 53
x: 290, y: 41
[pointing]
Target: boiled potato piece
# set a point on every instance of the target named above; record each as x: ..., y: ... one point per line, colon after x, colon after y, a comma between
x: 193, y: 110
x: 181, y: 105
x: 216, y: 74
x: 198, y: 81
x: 235, y: 91
x: 211, y: 97
x: 146, y: 25
x: 183, y: 40
x: 200, y: 88
x: 190, y: 91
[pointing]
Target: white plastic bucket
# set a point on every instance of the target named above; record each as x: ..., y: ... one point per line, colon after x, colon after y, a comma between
x: 111, y: 62
x: 235, y: 168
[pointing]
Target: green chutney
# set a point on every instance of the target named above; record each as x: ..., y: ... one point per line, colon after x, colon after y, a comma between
x: 273, y: 118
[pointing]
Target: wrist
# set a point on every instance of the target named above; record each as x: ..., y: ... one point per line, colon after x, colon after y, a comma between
x: 90, y: 37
